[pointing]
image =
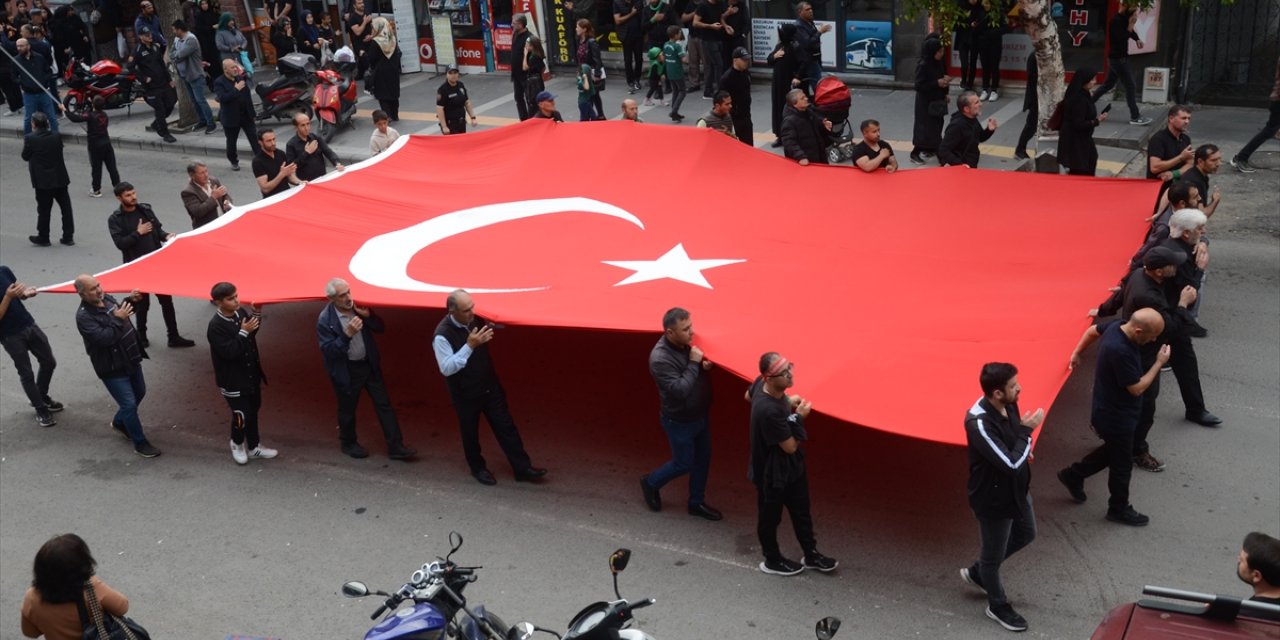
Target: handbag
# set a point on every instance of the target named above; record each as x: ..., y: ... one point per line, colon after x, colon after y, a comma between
x: 937, y: 108
x: 244, y: 62
x: 1055, y: 118
x: 598, y: 76
x: 100, y: 626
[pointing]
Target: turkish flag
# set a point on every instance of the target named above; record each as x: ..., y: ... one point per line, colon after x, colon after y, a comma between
x: 889, y: 292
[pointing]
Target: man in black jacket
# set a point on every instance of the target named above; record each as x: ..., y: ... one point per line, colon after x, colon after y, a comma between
x: 519, y: 36
x: 681, y: 372
x: 353, y: 363
x: 136, y: 231
x: 233, y: 344
x: 33, y: 76
x: 1186, y: 233
x: 235, y: 110
x: 809, y: 41
x: 999, y: 440
x: 308, y: 151
x: 116, y: 355
x: 964, y: 133
x: 461, y: 346
x: 153, y: 72
x: 805, y: 133
x: 42, y: 149
x: 1119, y: 33
x: 737, y: 82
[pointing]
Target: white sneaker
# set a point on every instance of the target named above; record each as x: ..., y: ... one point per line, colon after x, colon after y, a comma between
x: 238, y: 454
x: 95, y: 194
x: 983, y: 95
x: 993, y: 96
x: 263, y: 453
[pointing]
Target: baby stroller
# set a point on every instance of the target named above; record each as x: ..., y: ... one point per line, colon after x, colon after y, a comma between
x: 832, y: 99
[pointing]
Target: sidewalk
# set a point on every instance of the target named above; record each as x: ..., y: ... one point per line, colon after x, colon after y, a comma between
x: 1118, y: 142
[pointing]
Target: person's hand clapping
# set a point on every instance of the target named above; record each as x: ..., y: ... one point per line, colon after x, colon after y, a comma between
x: 479, y: 336
x: 1033, y: 419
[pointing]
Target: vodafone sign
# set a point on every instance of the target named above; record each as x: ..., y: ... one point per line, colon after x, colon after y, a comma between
x: 469, y: 52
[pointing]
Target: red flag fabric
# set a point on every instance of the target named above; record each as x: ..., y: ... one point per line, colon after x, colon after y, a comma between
x: 888, y: 292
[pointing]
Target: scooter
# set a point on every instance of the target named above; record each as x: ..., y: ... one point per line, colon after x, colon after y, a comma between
x: 288, y: 94
x: 105, y: 78
x: 599, y: 621
x: 438, y: 611
x: 334, y: 99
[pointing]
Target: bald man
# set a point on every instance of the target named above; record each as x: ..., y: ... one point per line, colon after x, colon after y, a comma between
x: 1118, y: 385
x: 236, y: 109
x: 630, y: 110
x: 461, y: 345
x: 116, y: 353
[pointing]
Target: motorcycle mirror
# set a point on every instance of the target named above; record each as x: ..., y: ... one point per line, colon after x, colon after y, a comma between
x: 520, y: 631
x: 827, y: 627
x: 618, y: 561
x: 355, y: 590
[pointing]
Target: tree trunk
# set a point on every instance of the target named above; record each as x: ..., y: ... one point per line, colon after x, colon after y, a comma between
x: 1048, y: 51
x: 170, y: 10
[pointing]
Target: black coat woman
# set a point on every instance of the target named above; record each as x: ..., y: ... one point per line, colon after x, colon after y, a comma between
x: 931, y: 100
x: 1076, y: 149
x: 786, y: 63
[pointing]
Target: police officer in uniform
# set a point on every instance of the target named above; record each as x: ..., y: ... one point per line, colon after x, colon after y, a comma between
x: 453, y: 105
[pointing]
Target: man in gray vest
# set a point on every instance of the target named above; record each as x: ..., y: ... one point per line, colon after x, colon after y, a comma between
x: 461, y: 346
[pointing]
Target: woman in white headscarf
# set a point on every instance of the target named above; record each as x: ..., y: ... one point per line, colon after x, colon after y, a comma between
x: 383, y: 80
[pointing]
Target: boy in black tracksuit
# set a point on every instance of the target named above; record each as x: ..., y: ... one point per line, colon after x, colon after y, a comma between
x: 100, y: 150
x: 999, y: 484
x: 233, y: 344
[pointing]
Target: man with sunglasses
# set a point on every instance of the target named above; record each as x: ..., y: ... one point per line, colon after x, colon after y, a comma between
x: 777, y: 467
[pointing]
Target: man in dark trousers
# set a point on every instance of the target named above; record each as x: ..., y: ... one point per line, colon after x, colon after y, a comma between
x: 270, y: 167
x: 1186, y: 233
x: 964, y: 133
x: 626, y: 21
x: 1030, y: 104
x: 1169, y: 151
x: 1119, y: 381
x: 42, y: 149
x: 999, y: 440
x: 237, y: 368
x: 308, y: 151
x: 681, y: 372
x: 23, y: 338
x: 116, y: 355
x: 1119, y: 33
x: 153, y: 72
x: 737, y: 82
x: 809, y: 43
x: 777, y: 467
x: 33, y: 77
x: 708, y: 31
x: 345, y: 330
x: 235, y: 109
x: 1144, y: 288
x: 461, y: 346
x: 519, y: 36
x: 805, y: 133
x: 137, y: 231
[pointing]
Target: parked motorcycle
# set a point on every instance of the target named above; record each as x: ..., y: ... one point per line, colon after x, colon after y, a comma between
x: 290, y: 92
x: 334, y: 99
x: 599, y: 621
x: 105, y: 78
x: 438, y: 611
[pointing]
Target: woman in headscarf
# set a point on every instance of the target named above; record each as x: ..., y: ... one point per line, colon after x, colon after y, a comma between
x: 384, y: 67
x: 1076, y: 149
x: 283, y: 38
x: 309, y: 37
x: 786, y: 63
x: 932, y: 83
x: 204, y: 26
x: 229, y: 39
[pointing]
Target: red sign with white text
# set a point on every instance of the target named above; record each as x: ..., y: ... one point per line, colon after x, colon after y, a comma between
x: 470, y: 52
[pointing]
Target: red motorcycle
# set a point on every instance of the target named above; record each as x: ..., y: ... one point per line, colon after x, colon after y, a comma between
x: 287, y: 95
x: 105, y: 78
x: 334, y: 99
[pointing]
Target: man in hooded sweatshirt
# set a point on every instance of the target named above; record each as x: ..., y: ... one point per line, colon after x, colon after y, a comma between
x: 964, y: 133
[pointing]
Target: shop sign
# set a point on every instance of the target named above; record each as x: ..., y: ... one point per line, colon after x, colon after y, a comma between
x: 502, y: 34
x: 470, y: 53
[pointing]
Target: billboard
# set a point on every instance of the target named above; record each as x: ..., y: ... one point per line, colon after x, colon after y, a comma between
x: 869, y: 46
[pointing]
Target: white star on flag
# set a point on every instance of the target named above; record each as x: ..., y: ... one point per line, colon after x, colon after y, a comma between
x: 674, y: 265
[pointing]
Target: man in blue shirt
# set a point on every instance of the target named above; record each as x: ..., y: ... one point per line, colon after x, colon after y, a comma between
x: 1118, y: 386
x: 22, y: 338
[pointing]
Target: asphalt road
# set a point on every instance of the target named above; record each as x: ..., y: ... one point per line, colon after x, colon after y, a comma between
x: 205, y: 548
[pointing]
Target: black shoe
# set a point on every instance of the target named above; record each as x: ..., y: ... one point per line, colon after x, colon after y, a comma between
x: 484, y: 477
x: 142, y: 339
x: 210, y: 129
x: 52, y: 405
x: 39, y: 242
x: 1197, y: 331
x: 124, y: 433
x: 355, y: 450
x: 1020, y: 154
x: 170, y: 139
x: 1205, y: 419
x: 532, y: 474
x: 917, y: 160
x: 676, y: 117
x: 651, y: 495
x: 235, y: 166
x: 1074, y: 486
x: 705, y: 510
x: 1128, y: 516
x: 971, y: 576
x: 781, y: 567
x: 815, y: 560
x: 179, y: 342
x: 1007, y: 617
x: 145, y: 449
x: 44, y: 418
x: 71, y: 243
x: 402, y: 452
x: 776, y: 143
